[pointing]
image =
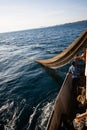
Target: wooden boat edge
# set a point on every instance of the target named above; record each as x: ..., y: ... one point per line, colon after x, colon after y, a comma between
x: 62, y: 104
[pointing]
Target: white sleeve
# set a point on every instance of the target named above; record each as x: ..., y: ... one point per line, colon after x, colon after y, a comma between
x: 86, y: 73
x: 86, y: 64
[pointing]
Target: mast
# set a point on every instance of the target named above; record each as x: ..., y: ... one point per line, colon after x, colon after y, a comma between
x: 86, y: 84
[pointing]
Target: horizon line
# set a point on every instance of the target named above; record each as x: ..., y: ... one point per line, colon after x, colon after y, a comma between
x: 33, y: 28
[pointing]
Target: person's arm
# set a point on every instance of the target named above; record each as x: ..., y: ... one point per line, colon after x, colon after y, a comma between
x: 69, y: 72
x: 79, y: 57
x: 83, y: 56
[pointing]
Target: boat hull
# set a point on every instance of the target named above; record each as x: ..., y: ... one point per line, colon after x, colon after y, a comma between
x: 62, y: 104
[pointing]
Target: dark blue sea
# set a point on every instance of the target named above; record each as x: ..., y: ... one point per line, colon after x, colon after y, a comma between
x: 27, y: 91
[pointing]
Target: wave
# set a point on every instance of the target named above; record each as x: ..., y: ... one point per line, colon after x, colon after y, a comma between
x: 40, y: 115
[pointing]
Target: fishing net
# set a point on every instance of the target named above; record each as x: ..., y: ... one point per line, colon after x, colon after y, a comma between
x: 67, y: 55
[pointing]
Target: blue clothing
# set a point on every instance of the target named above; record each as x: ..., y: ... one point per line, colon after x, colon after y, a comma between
x: 74, y: 70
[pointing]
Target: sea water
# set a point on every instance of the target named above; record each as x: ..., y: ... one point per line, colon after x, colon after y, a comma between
x: 27, y: 91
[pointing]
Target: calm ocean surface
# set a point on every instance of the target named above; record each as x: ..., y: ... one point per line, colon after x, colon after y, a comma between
x: 27, y: 92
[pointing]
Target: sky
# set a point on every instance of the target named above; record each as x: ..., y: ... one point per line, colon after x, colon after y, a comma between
x: 28, y: 14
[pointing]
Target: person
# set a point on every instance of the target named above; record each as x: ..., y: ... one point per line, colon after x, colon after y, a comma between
x: 84, y: 58
x: 75, y: 73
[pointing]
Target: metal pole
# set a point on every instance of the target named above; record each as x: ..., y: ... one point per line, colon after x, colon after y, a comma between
x: 86, y: 73
x: 86, y: 85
